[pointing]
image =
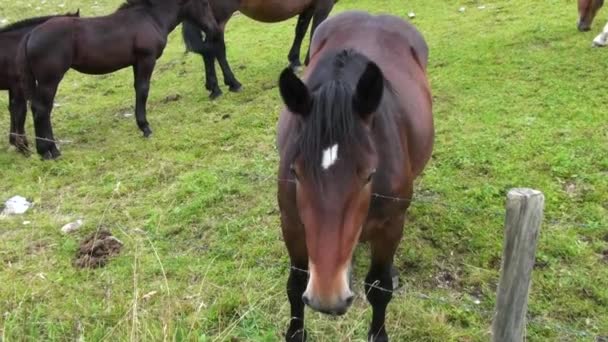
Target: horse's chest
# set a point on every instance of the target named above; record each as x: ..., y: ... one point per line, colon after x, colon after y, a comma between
x: 271, y: 11
x: 372, y: 226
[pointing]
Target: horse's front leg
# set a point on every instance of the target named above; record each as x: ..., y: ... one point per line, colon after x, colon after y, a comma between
x: 293, y: 235
x: 321, y: 12
x: 18, y: 111
x: 296, y: 285
x: 301, y: 28
x: 142, y: 72
x: 379, y: 280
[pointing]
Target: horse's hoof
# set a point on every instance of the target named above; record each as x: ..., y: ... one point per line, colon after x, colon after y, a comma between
x: 147, y: 132
x: 381, y: 337
x: 51, y: 155
x: 297, y: 336
x: 236, y: 88
x: 23, y: 148
x: 215, y: 94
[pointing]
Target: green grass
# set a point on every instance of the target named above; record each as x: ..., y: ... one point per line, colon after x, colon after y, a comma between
x: 519, y: 101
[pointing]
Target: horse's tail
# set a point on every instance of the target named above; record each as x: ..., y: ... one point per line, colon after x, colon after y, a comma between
x: 193, y: 37
x: 26, y: 76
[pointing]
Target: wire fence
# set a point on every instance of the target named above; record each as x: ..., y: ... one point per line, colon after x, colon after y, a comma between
x: 420, y: 200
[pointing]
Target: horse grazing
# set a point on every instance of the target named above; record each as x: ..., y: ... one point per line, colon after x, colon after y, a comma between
x: 135, y: 35
x: 353, y: 137
x: 10, y: 37
x: 587, y: 9
x: 264, y: 11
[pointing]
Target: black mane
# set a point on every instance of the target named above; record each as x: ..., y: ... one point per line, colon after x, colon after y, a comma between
x: 135, y: 3
x: 30, y: 22
x: 332, y: 120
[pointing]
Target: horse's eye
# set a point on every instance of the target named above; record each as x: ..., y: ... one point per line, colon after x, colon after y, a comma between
x: 293, y: 172
x: 371, y: 176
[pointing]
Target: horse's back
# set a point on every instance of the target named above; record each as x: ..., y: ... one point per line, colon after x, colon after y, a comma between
x: 402, y: 54
x: 271, y: 11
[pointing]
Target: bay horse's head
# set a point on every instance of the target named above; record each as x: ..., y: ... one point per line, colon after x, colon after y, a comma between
x: 587, y: 9
x: 333, y: 161
x: 200, y: 13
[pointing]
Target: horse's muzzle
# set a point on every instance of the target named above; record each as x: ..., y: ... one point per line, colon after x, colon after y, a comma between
x: 338, y: 308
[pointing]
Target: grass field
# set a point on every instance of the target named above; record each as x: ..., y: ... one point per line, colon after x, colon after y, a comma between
x: 520, y: 100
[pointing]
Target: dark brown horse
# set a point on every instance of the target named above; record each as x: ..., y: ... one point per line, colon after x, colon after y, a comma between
x: 10, y: 37
x: 587, y: 9
x: 135, y: 35
x: 268, y: 11
x: 352, y: 139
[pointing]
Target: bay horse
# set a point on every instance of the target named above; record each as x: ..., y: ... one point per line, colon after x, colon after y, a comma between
x: 354, y: 135
x: 263, y: 11
x: 134, y: 35
x: 10, y: 37
x: 587, y: 9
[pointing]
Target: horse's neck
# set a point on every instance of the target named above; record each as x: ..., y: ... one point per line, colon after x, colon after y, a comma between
x: 166, y: 16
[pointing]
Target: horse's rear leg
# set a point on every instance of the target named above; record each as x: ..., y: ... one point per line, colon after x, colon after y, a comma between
x: 321, y: 12
x: 379, y: 280
x: 18, y: 111
x: 142, y: 72
x: 211, y: 85
x: 229, y: 78
x: 42, y: 105
x: 301, y: 28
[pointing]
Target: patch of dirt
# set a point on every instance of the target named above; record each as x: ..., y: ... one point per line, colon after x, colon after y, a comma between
x: 570, y: 188
x: 605, y: 256
x: 446, y: 280
x: 37, y: 247
x: 96, y: 250
x: 495, y: 262
x: 172, y: 98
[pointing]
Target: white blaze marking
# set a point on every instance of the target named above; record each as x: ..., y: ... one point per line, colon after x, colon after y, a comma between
x: 330, y: 155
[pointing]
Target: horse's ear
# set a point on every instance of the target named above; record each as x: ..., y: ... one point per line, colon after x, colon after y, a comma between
x: 294, y: 92
x: 369, y: 91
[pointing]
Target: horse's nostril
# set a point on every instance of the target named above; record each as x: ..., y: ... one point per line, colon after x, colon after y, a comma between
x: 349, y: 300
x: 305, y: 300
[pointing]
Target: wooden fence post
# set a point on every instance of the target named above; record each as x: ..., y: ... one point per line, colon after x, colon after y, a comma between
x: 522, y: 225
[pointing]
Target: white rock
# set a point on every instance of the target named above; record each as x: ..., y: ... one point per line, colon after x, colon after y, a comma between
x: 411, y: 15
x: 127, y: 115
x: 462, y: 9
x: 72, y: 226
x: 25, y: 223
x: 3, y: 21
x: 16, y: 205
x: 481, y: 7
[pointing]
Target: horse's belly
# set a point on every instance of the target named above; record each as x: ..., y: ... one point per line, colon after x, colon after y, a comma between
x: 99, y: 69
x: 97, y: 60
x: 5, y: 76
x: 272, y: 11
